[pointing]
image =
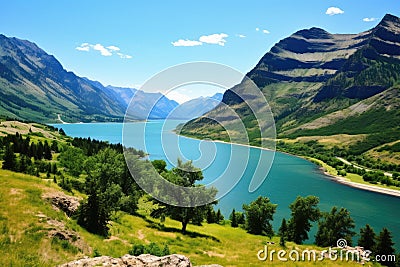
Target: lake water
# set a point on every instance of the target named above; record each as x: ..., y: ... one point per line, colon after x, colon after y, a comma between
x: 288, y: 178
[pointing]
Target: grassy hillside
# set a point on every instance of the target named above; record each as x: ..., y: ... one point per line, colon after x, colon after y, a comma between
x: 26, y: 220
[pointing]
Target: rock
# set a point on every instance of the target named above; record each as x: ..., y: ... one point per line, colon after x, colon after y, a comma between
x: 68, y: 204
x: 144, y: 260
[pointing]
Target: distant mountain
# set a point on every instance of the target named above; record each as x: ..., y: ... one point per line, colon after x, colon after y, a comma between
x: 161, y: 107
x: 318, y: 83
x: 196, y: 107
x: 34, y: 86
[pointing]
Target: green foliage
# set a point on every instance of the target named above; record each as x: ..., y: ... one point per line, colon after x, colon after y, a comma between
x: 259, y: 215
x: 384, y: 246
x: 110, y: 188
x: 333, y: 226
x: 72, y: 159
x: 283, y: 233
x: 64, y: 244
x: 185, y: 174
x: 367, y: 238
x: 9, y: 158
x: 151, y: 248
x: 232, y: 218
x: 304, y: 211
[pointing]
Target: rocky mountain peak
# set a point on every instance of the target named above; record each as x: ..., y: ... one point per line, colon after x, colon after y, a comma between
x: 314, y: 33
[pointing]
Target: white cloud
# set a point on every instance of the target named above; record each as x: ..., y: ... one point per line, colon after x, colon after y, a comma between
x: 83, y: 47
x: 241, y: 35
x: 333, y: 11
x: 104, y: 51
x: 124, y: 56
x: 257, y: 29
x: 182, y: 42
x: 113, y: 48
x: 266, y: 31
x: 215, y: 38
x: 369, y: 19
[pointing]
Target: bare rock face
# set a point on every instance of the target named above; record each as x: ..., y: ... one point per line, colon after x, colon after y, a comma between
x: 145, y: 260
x: 68, y: 204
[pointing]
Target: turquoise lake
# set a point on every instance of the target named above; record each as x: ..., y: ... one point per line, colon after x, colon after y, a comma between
x: 288, y: 178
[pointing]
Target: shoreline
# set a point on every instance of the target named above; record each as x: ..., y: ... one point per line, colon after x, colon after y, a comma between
x: 366, y: 187
x: 335, y: 178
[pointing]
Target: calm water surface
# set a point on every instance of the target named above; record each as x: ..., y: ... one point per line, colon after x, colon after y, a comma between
x: 288, y: 178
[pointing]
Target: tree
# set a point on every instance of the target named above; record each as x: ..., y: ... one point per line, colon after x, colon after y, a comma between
x: 62, y: 132
x: 258, y: 215
x: 47, y: 151
x: 104, y: 193
x: 219, y: 217
x: 93, y: 214
x: 367, y: 238
x: 283, y: 232
x: 72, y: 160
x: 333, y: 226
x: 9, y: 158
x: 233, y: 219
x: 384, y: 246
x: 304, y: 211
x: 54, y: 146
x: 186, y: 175
x: 240, y: 218
x: 210, y: 215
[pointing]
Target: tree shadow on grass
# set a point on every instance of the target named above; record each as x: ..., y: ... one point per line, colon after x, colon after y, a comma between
x: 161, y: 227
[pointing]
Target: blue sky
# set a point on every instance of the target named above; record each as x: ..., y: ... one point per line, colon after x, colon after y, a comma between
x: 124, y: 43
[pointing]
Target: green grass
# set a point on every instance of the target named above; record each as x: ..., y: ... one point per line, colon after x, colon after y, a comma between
x: 24, y: 239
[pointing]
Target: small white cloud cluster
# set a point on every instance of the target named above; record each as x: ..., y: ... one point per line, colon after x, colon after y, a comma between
x: 216, y: 38
x: 369, y: 19
x: 264, y: 31
x: 331, y: 11
x: 104, y: 51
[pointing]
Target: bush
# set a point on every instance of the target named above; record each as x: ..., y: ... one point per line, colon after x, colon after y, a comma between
x: 151, y: 248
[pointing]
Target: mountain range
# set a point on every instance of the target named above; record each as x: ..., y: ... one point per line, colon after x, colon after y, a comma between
x: 35, y: 87
x: 318, y: 83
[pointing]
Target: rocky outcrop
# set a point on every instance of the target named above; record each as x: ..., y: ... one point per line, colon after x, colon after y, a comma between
x: 129, y: 260
x: 59, y: 200
x: 144, y: 260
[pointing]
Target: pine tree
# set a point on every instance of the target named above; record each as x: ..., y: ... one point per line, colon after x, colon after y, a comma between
x: 333, y: 226
x: 54, y: 146
x: 304, y: 211
x: 219, y: 216
x: 10, y: 162
x: 259, y: 215
x: 232, y: 217
x: 39, y: 151
x: 283, y: 232
x: 210, y: 216
x: 367, y: 238
x: 384, y: 246
x: 47, y: 151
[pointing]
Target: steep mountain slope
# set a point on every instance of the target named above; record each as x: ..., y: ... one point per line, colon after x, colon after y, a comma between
x: 315, y: 79
x: 34, y: 86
